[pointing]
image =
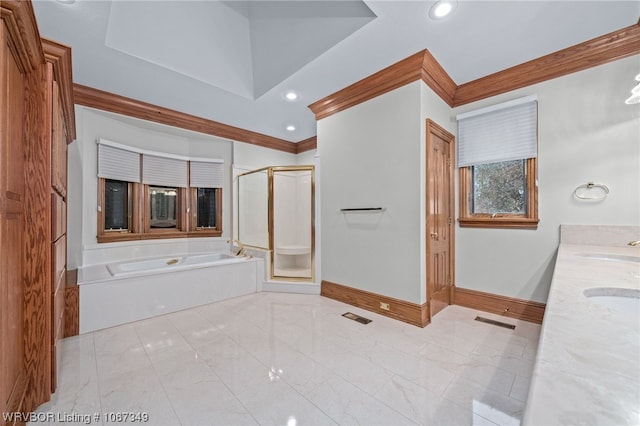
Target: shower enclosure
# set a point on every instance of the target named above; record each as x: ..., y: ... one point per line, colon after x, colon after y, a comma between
x: 276, y: 213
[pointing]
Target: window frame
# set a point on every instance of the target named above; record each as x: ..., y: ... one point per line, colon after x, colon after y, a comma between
x: 528, y: 220
x: 140, y: 214
x: 196, y: 231
x: 133, y: 233
x: 181, y: 227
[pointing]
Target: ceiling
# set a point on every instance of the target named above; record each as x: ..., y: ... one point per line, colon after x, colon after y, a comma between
x: 233, y: 61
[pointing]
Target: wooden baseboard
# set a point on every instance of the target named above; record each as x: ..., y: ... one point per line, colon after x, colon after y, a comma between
x: 72, y: 305
x: 502, y: 305
x: 408, y: 312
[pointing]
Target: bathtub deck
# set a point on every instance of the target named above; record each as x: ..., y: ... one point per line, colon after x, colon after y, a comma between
x: 107, y: 301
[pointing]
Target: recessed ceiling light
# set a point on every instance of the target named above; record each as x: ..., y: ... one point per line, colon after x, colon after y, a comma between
x: 291, y: 127
x: 442, y: 8
x: 290, y: 95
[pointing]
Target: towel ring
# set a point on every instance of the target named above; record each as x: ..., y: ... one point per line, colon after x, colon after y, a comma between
x: 581, y: 195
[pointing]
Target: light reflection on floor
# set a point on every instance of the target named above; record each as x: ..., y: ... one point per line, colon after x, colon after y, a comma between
x: 273, y: 358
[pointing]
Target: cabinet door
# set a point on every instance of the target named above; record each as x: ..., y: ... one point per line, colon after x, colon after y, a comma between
x: 12, y: 372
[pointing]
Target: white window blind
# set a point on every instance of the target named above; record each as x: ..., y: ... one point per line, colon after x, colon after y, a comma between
x: 118, y: 164
x: 164, y: 171
x: 206, y: 174
x: 503, y: 132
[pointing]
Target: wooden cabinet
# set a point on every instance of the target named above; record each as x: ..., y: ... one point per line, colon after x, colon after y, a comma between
x: 58, y: 130
x: 13, y: 377
x: 36, y: 124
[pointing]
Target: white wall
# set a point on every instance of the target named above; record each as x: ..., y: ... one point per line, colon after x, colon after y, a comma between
x: 373, y: 155
x: 370, y: 156
x: 586, y: 133
x: 83, y: 182
x: 250, y: 157
x: 306, y: 158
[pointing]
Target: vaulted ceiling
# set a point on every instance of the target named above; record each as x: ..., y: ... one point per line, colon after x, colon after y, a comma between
x: 233, y: 61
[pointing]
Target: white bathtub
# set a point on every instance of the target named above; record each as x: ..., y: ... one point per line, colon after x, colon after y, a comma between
x: 121, y: 292
x: 169, y: 264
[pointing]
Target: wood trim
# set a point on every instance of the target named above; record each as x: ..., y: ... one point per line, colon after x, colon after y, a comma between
x: 408, y: 312
x: 23, y: 31
x: 99, y: 99
x: 510, y: 307
x: 422, y: 65
x: 59, y: 56
x: 397, y: 75
x: 601, y: 50
x: 72, y: 305
x: 437, y: 78
x: 307, y: 145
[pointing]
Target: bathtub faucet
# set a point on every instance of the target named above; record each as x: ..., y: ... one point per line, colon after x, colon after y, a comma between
x: 240, y: 247
x: 634, y: 243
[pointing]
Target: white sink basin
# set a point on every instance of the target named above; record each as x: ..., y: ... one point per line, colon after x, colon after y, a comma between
x: 625, y: 301
x: 610, y: 257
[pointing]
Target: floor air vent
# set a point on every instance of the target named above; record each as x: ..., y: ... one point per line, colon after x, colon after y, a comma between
x: 493, y: 322
x: 358, y: 318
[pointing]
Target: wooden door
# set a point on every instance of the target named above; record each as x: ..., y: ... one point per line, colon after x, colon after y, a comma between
x: 439, y: 220
x: 13, y: 378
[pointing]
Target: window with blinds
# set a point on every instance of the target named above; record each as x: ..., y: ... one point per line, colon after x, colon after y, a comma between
x: 206, y: 179
x: 497, y: 151
x: 146, y: 194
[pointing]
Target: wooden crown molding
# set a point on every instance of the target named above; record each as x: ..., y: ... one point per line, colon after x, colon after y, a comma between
x: 422, y: 65
x: 94, y: 98
x: 307, y: 145
x: 408, y: 312
x: 510, y: 307
x: 397, y: 75
x: 59, y: 56
x: 22, y: 28
x: 601, y: 50
x: 437, y: 78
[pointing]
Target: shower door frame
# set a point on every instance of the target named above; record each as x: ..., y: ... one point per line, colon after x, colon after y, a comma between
x: 270, y: 218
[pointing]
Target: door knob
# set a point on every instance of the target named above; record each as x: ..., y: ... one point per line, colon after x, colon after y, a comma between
x: 434, y: 235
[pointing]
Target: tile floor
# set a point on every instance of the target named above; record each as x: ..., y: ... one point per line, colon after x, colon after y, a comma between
x: 287, y: 359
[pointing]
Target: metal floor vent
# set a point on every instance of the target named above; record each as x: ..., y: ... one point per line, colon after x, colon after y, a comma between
x: 355, y: 317
x: 498, y: 323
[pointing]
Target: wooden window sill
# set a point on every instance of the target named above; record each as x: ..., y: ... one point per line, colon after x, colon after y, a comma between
x: 205, y: 233
x: 507, y: 222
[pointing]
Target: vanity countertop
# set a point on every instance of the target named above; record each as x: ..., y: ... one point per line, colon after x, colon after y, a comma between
x: 587, y: 368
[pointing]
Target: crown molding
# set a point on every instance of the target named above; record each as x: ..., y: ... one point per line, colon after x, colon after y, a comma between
x: 99, y: 99
x: 601, y: 50
x: 307, y: 145
x: 59, y: 56
x: 420, y: 66
x: 22, y: 28
x: 437, y: 78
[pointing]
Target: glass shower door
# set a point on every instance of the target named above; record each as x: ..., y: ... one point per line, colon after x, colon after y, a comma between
x: 292, y: 220
x: 253, y: 208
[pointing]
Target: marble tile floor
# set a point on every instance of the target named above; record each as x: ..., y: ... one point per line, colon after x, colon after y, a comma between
x: 288, y: 359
